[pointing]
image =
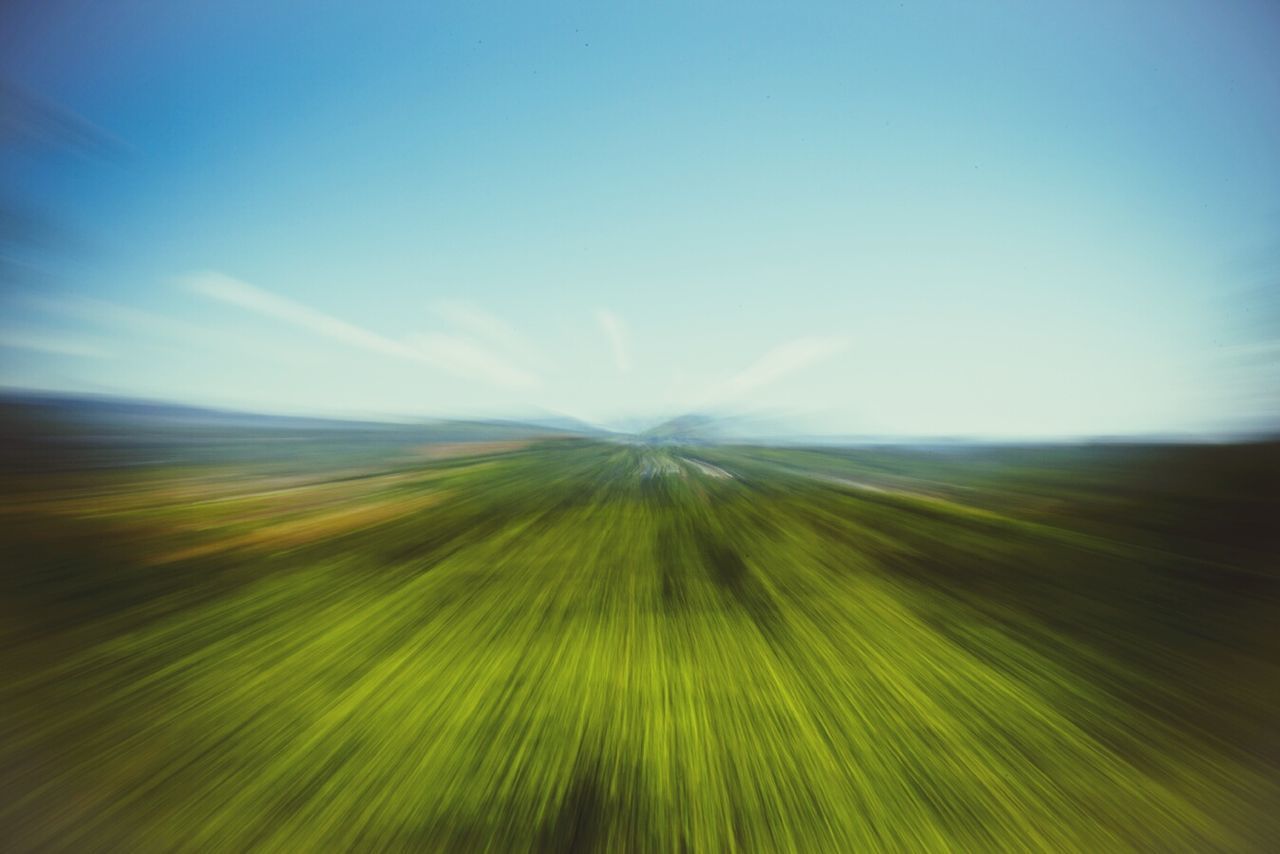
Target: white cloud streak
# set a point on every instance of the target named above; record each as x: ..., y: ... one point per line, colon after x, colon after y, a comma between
x: 104, y: 314
x: 779, y: 362
x: 478, y: 324
x: 131, y: 328
x: 244, y: 295
x: 616, y: 331
x: 465, y: 358
x: 53, y: 343
x: 453, y: 354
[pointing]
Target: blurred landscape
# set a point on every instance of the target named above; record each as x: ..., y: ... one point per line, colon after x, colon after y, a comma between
x: 560, y: 427
x: 230, y: 632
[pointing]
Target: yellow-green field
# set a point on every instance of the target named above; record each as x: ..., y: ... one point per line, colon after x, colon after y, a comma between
x: 586, y: 646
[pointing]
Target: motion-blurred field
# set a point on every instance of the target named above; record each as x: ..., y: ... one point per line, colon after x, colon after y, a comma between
x: 574, y: 645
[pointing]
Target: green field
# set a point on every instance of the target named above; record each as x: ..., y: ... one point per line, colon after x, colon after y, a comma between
x: 575, y: 645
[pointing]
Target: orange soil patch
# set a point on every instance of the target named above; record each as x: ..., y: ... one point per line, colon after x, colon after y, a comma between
x: 245, y: 498
x: 445, y: 450
x: 309, y: 529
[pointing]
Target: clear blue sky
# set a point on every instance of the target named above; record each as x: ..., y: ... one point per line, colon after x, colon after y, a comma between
x: 977, y: 218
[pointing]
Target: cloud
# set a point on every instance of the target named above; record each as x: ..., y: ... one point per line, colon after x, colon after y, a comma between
x: 451, y: 353
x: 102, y: 313
x: 465, y: 358
x: 778, y: 362
x: 53, y: 343
x: 244, y: 295
x: 616, y: 331
x: 476, y: 323
x: 130, y: 327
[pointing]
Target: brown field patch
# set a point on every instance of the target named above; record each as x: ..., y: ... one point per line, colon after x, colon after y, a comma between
x: 448, y: 450
x: 309, y: 529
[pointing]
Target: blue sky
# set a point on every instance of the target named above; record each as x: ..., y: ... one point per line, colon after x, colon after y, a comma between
x: 1019, y: 219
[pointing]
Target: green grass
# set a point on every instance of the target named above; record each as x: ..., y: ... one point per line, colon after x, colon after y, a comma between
x: 585, y: 646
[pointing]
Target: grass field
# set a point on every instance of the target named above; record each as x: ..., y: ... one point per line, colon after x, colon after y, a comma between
x: 573, y: 645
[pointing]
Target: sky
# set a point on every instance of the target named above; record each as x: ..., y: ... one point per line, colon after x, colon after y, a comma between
x: 985, y: 219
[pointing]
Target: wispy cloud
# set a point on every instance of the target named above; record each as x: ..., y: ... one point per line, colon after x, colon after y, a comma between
x: 130, y: 327
x: 778, y: 362
x: 244, y: 295
x: 451, y: 353
x: 117, y: 317
x: 53, y: 343
x: 465, y: 358
x: 476, y: 323
x: 616, y: 331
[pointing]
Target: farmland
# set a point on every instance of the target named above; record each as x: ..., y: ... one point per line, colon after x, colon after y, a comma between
x: 566, y: 644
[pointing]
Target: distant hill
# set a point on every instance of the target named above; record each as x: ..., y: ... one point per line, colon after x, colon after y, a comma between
x: 691, y: 429
x: 41, y: 431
